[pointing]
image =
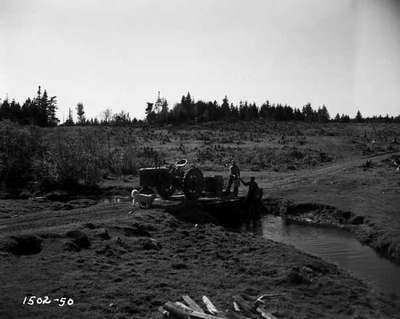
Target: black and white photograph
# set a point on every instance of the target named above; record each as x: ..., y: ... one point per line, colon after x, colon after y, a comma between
x: 199, y: 159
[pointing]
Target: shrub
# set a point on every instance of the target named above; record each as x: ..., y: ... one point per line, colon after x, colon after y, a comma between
x: 128, y: 160
x: 19, y: 148
x: 73, y: 157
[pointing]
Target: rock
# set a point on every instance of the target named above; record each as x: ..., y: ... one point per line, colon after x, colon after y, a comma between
x: 71, y: 246
x: 135, y: 231
x: 22, y: 245
x: 298, y: 277
x: 150, y: 243
x: 318, y: 266
x: 89, y: 225
x: 79, y: 238
x: 357, y: 220
x: 107, y: 251
x: 346, y: 215
x: 102, y: 233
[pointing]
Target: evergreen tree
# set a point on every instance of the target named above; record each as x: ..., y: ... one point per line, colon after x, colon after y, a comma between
x: 308, y: 112
x: 225, y: 109
x: 81, y: 113
x: 51, y: 107
x: 70, y: 119
x: 358, y: 117
x: 39, y: 111
x: 163, y: 116
x: 345, y: 118
x: 323, y: 114
x: 5, y: 110
x: 150, y: 114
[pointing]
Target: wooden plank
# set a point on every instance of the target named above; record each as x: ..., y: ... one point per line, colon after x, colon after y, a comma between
x: 176, y: 311
x: 192, y: 304
x: 180, y: 304
x: 245, y: 306
x: 265, y: 314
x: 270, y: 295
x: 184, y: 312
x: 164, y: 312
x: 210, y: 306
x: 202, y: 315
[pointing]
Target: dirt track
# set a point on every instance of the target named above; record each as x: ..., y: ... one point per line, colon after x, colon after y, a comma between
x: 273, y: 181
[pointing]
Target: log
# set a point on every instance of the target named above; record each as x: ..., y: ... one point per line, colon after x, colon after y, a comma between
x: 192, y: 304
x: 184, y: 312
x: 265, y: 314
x: 270, y: 295
x: 164, y: 312
x: 210, y: 307
x: 185, y: 307
x: 245, y: 306
x: 202, y: 315
x: 176, y: 311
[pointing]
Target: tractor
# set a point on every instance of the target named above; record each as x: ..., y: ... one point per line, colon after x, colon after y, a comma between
x: 166, y: 180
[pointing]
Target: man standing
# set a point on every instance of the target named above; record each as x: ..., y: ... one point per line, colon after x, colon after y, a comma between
x: 234, y: 178
x: 253, y: 200
x: 253, y: 195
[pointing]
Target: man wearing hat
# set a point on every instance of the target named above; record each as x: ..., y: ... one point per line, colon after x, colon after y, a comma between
x: 234, y: 178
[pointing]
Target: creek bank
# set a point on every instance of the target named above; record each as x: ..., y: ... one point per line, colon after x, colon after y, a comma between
x: 316, y: 214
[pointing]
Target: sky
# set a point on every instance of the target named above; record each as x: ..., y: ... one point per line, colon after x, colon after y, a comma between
x: 118, y: 54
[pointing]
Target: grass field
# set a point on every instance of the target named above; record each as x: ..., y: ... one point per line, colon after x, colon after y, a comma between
x: 116, y: 265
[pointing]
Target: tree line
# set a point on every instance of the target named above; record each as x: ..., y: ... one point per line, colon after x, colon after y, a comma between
x: 41, y: 111
x: 189, y: 110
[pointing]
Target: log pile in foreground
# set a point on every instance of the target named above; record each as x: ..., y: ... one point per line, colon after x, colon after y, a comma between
x: 241, y: 309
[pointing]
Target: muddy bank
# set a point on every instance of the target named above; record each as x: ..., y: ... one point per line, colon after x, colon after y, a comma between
x: 28, y: 202
x: 127, y: 267
x: 366, y: 231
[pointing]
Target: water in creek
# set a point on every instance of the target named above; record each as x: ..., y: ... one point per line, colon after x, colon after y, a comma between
x: 336, y: 246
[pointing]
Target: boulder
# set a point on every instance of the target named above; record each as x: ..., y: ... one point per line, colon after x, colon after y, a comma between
x: 22, y: 244
x: 79, y: 238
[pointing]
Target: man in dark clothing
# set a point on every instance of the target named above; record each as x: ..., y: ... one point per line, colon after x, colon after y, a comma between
x: 253, y: 200
x: 234, y: 178
x: 253, y: 194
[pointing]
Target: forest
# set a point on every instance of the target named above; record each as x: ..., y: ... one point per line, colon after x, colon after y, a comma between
x: 41, y: 111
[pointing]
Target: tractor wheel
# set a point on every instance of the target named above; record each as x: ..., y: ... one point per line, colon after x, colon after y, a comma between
x: 193, y: 183
x: 165, y: 190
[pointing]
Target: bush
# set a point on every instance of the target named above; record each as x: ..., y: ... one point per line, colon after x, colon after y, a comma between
x: 128, y: 160
x: 19, y: 149
x: 73, y: 157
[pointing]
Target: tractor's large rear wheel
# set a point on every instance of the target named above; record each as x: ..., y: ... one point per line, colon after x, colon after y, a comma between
x: 193, y: 183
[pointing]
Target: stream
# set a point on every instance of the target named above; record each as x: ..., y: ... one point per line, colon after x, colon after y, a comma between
x: 336, y: 246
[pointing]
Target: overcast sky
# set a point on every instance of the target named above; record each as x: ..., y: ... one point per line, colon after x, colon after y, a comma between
x: 118, y: 54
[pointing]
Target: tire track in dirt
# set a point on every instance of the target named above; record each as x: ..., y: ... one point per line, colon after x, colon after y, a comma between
x: 312, y: 174
x: 47, y: 220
